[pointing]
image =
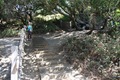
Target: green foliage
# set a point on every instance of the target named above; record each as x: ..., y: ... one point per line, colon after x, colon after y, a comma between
x: 9, y: 33
x: 70, y: 8
x: 50, y: 27
x: 101, y: 52
x: 79, y: 48
x: 104, y: 5
x: 1, y: 3
x: 52, y: 17
x: 65, y: 18
x: 41, y: 26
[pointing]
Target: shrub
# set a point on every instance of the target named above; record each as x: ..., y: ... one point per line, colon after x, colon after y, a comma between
x: 9, y: 32
x: 101, y: 52
x: 41, y: 26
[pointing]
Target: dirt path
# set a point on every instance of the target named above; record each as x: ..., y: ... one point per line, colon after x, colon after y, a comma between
x: 44, y: 61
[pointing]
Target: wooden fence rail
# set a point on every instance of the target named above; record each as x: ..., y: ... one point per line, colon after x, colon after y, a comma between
x: 16, y: 57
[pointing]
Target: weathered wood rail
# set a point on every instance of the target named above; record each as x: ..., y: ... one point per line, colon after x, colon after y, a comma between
x: 16, y: 57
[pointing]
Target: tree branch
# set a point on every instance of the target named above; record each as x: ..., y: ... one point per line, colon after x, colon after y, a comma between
x: 62, y: 11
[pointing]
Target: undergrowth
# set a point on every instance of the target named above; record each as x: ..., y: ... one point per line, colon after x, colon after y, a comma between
x: 98, y: 53
x: 10, y: 32
x: 41, y: 26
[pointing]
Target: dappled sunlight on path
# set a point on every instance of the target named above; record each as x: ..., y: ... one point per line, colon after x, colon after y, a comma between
x: 43, y: 61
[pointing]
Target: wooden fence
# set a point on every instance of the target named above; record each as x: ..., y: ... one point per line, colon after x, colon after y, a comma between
x: 16, y: 57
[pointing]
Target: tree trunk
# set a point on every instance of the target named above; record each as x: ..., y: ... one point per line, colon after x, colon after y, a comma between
x: 92, y: 23
x: 105, y: 24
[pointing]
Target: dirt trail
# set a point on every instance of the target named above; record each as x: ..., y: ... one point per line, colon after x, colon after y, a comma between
x: 43, y: 60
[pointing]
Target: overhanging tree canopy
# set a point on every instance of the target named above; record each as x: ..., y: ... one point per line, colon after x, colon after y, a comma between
x: 78, y: 11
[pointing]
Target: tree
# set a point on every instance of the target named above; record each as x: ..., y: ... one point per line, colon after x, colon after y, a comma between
x: 104, y: 9
x: 73, y: 9
x: 78, y: 11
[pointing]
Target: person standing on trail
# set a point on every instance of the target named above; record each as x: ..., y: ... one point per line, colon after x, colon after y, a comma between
x: 29, y: 30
